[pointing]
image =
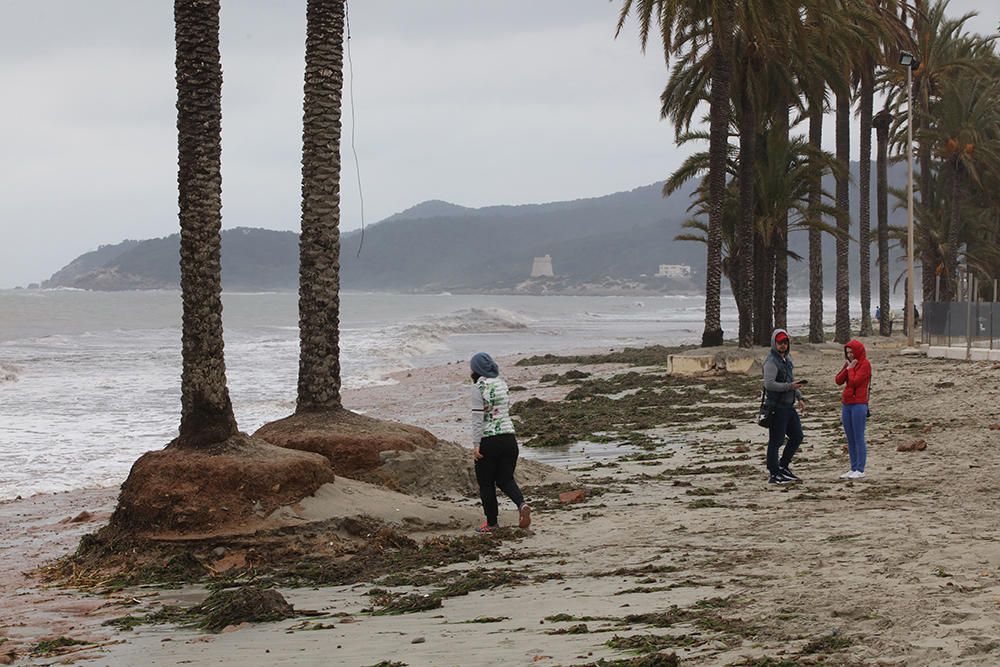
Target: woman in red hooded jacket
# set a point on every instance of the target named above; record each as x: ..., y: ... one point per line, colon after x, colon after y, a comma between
x: 856, y: 376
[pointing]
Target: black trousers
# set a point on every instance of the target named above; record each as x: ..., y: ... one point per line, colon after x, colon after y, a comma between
x: 496, y: 469
x: 785, y: 422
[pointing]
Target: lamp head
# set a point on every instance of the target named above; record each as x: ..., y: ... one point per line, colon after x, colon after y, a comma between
x: 907, y: 59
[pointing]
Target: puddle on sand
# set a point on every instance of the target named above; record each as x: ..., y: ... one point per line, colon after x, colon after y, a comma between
x: 578, y: 453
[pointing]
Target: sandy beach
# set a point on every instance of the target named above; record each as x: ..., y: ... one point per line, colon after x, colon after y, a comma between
x: 680, y: 553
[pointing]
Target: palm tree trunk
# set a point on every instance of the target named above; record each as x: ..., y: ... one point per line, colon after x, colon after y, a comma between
x: 781, y: 277
x: 927, y: 203
x: 319, y: 245
x: 815, y: 235
x: 729, y: 272
x: 722, y: 72
x: 867, y: 103
x: 927, y: 259
x: 745, y: 223
x: 764, y: 290
x: 881, y: 123
x: 951, y: 258
x: 206, y: 411
x: 843, y: 128
x: 756, y: 288
x: 781, y: 125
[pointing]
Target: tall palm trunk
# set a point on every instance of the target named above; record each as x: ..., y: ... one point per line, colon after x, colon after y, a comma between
x: 815, y: 235
x: 867, y: 103
x: 319, y: 245
x: 206, y: 411
x: 927, y: 203
x: 781, y: 243
x: 745, y: 224
x: 954, y: 227
x: 927, y: 262
x: 764, y: 290
x: 881, y: 123
x: 781, y: 275
x: 722, y: 73
x: 756, y: 288
x: 843, y: 323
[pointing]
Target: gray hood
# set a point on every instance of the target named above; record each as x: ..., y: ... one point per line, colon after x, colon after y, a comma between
x: 774, y: 334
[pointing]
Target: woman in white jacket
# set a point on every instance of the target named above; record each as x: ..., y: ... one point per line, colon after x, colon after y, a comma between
x: 494, y: 445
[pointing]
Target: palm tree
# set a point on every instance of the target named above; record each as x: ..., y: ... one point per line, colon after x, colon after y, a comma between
x: 881, y: 123
x: 866, y: 104
x: 762, y: 85
x: 965, y: 134
x: 816, y: 334
x: 944, y: 52
x: 764, y: 89
x: 319, y: 244
x: 947, y: 54
x: 792, y: 76
x: 206, y: 411
x: 781, y: 129
x: 889, y: 33
x: 826, y: 41
x: 674, y: 19
x: 862, y: 34
x: 351, y: 442
x: 210, y: 464
x: 842, y: 327
x: 748, y: 125
x: 783, y: 177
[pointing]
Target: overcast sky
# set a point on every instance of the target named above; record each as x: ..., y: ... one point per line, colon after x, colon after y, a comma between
x: 476, y: 103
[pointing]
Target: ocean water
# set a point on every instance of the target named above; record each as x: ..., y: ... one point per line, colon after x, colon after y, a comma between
x: 90, y: 380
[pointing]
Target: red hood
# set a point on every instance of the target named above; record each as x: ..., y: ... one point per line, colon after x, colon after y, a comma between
x: 858, y: 348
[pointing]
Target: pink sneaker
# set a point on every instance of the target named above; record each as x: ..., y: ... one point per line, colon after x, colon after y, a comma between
x: 486, y: 528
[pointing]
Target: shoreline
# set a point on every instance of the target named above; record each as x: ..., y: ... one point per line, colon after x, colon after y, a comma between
x: 901, y: 568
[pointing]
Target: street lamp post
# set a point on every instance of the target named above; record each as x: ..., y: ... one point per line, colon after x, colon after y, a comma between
x: 908, y: 60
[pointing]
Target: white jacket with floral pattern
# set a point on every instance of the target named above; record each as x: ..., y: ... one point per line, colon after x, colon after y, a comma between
x: 490, y: 409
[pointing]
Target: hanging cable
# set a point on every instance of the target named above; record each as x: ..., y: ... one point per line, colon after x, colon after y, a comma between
x: 357, y: 167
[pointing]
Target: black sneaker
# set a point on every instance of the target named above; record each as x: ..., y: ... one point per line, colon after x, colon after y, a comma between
x: 779, y: 479
x: 788, y: 474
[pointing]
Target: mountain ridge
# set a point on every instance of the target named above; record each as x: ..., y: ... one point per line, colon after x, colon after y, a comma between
x: 615, y: 239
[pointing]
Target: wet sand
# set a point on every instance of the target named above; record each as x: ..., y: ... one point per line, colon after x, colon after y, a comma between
x: 689, y: 550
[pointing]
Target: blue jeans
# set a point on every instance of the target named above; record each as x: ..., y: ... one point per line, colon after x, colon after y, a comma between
x: 854, y: 417
x: 785, y: 422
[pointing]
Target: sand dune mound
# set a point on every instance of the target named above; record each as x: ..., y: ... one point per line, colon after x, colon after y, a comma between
x: 229, y: 487
x: 352, y: 443
x: 397, y: 456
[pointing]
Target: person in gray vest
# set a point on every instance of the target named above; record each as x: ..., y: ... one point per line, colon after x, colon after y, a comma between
x: 782, y: 393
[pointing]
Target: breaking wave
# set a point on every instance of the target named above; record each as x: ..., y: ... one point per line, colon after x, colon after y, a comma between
x: 402, y: 343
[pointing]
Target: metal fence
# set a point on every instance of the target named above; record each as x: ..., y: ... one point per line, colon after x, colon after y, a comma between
x: 974, y: 324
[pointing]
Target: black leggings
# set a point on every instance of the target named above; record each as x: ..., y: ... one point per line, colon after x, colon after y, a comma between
x: 496, y: 469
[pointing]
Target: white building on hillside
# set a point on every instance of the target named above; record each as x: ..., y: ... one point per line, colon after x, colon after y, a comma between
x: 674, y: 271
x: 542, y: 266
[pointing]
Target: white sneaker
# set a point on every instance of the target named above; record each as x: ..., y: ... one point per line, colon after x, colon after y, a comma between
x: 848, y: 475
x: 856, y: 474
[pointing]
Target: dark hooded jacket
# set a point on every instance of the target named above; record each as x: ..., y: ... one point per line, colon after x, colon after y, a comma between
x: 857, y: 379
x: 779, y: 374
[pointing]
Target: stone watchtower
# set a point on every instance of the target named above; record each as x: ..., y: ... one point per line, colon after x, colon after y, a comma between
x: 542, y: 266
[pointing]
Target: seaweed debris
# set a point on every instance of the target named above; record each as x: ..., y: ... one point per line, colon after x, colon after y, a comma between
x: 653, y: 355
